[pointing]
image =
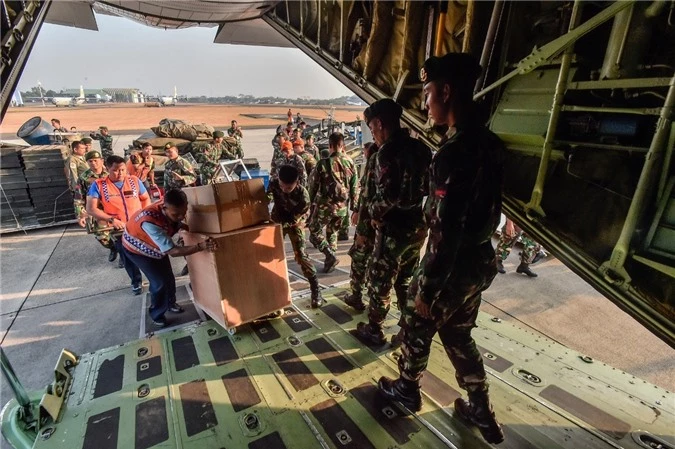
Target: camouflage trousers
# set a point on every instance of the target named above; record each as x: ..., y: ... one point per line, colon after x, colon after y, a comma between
x: 107, y: 152
x: 329, y: 219
x: 454, y: 315
x: 360, y: 252
x: 393, y: 265
x: 344, y: 226
x: 102, y: 237
x: 530, y: 247
x: 296, y: 234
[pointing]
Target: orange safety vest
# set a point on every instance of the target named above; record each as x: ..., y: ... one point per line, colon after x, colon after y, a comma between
x: 137, y: 241
x: 122, y: 202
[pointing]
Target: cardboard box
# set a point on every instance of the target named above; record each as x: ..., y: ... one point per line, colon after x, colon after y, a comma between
x: 226, y: 206
x: 244, y: 279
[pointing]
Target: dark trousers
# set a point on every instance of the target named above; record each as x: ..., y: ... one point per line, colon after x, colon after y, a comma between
x: 162, y: 282
x: 129, y: 265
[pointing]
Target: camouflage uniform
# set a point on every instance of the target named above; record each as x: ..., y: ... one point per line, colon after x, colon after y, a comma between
x: 313, y: 150
x: 239, y: 148
x: 106, y: 144
x: 530, y: 247
x: 343, y: 234
x: 183, y: 168
x: 364, y: 238
x: 208, y: 157
x: 463, y: 211
x: 291, y: 209
x: 401, y: 183
x: 294, y: 160
x: 75, y: 167
x: 84, y: 183
x: 309, y: 162
x: 326, y: 212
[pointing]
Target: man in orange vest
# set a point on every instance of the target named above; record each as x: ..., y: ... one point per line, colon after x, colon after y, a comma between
x: 114, y: 199
x: 147, y: 243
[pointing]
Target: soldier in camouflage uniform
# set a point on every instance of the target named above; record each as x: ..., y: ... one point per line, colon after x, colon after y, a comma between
x: 288, y: 157
x: 463, y: 211
x: 178, y: 172
x: 209, y: 155
x: 364, y: 238
x: 235, y: 132
x: 343, y: 234
x: 95, y: 171
x: 333, y: 184
x: 105, y: 140
x: 311, y: 148
x: 307, y: 159
x: 401, y: 183
x: 75, y: 165
x: 291, y: 207
x: 531, y: 250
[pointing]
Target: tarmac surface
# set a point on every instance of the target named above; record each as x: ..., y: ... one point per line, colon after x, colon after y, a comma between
x: 59, y: 291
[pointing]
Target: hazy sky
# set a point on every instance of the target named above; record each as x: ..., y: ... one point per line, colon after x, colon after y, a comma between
x: 124, y: 53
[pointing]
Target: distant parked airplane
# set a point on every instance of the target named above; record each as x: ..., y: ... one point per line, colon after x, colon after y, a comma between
x: 70, y: 101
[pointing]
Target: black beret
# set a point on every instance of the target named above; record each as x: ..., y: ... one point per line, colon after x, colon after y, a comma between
x: 386, y: 109
x: 461, y: 68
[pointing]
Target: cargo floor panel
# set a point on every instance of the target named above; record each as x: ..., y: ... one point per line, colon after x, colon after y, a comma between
x: 304, y: 381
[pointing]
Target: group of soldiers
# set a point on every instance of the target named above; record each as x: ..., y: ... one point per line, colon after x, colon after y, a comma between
x: 85, y: 166
x: 461, y: 181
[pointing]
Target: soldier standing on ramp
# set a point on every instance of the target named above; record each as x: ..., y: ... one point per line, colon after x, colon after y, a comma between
x: 333, y: 183
x: 291, y: 206
x: 401, y: 183
x: 463, y: 211
x: 364, y: 238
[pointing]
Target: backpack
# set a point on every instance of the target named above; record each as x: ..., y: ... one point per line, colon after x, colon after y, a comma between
x: 335, y: 189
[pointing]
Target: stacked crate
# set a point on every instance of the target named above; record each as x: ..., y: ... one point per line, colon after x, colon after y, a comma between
x: 15, y: 206
x: 47, y: 183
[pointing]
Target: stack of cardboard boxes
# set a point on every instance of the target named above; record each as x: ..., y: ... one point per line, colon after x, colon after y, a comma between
x: 247, y: 277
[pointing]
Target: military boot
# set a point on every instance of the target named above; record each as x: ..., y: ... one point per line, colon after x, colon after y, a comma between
x: 113, y: 254
x: 354, y: 300
x: 478, y: 411
x: 524, y: 268
x: 369, y: 333
x: 331, y: 261
x: 406, y: 392
x: 397, y: 340
x: 317, y: 299
x: 500, y: 266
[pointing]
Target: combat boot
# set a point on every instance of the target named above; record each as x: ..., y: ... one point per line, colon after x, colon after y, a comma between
x: 317, y: 299
x: 354, y: 300
x: 370, y: 334
x: 406, y: 392
x: 524, y: 268
x: 397, y: 340
x: 331, y: 261
x: 478, y: 411
x: 113, y: 254
x: 500, y: 266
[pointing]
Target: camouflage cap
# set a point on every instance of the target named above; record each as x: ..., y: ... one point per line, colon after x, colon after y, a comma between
x: 93, y: 154
x: 169, y: 145
x: 103, y: 128
x: 217, y: 134
x: 460, y: 68
x: 86, y: 140
x: 385, y: 109
x: 309, y: 136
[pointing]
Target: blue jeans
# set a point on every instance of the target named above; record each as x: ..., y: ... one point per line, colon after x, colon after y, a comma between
x: 131, y: 268
x: 162, y: 282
